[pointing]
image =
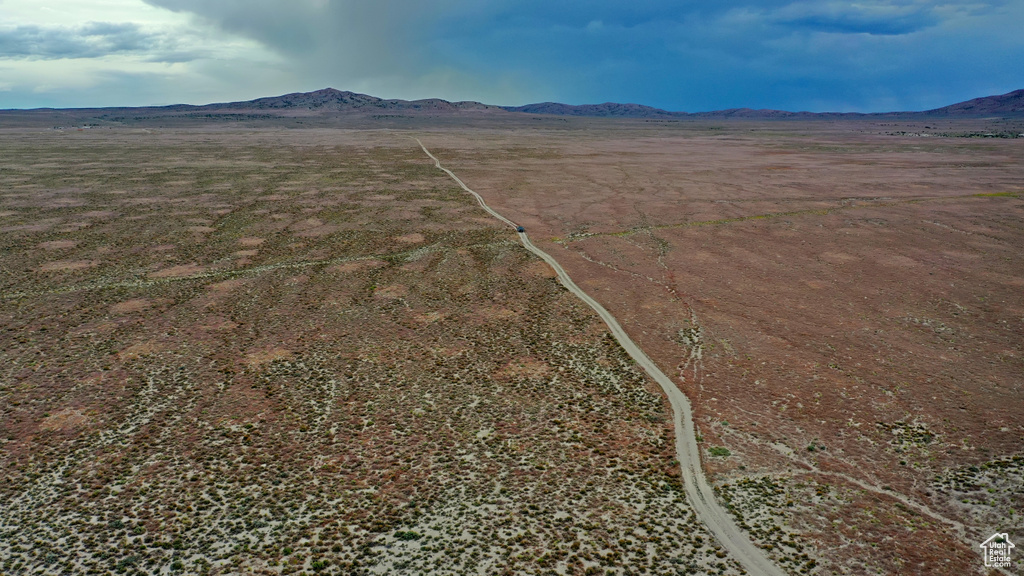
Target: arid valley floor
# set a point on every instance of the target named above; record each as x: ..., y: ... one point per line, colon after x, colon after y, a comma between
x: 233, y: 349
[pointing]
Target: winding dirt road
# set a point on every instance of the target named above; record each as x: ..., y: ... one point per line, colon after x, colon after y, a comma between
x: 698, y: 490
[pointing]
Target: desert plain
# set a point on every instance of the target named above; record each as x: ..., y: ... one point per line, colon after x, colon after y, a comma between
x: 258, y: 348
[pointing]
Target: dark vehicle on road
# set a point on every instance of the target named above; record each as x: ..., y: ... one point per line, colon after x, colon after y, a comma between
x: 520, y: 229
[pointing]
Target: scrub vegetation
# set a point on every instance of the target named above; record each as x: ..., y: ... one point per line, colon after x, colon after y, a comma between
x: 283, y: 353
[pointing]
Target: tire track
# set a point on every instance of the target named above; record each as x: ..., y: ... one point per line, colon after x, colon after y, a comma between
x: 698, y: 490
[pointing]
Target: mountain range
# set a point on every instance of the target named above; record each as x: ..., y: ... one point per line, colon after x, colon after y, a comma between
x: 330, y: 99
x: 330, y: 102
x: 1011, y: 104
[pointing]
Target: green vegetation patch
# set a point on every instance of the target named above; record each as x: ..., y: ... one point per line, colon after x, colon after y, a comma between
x: 761, y: 506
x: 989, y: 492
x: 907, y: 434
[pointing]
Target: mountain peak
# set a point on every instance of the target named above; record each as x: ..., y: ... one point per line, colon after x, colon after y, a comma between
x: 332, y: 99
x: 1009, y: 103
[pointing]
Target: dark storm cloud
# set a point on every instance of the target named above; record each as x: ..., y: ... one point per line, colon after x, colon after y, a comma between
x: 89, y: 41
x: 352, y: 37
x: 392, y: 48
x: 686, y: 54
x: 681, y: 55
x: 92, y: 40
x: 820, y: 55
x: 880, y: 18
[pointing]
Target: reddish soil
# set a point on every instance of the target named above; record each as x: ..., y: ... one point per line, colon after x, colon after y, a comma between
x: 385, y: 382
x: 233, y: 350
x: 843, y: 307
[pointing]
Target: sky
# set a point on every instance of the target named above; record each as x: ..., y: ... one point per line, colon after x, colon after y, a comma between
x: 685, y: 55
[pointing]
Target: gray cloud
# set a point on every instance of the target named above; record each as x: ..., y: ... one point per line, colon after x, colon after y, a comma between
x: 392, y: 48
x: 879, y: 17
x: 350, y: 36
x: 677, y: 54
x: 91, y: 40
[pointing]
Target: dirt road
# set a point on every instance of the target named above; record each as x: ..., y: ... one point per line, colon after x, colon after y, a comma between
x: 698, y: 491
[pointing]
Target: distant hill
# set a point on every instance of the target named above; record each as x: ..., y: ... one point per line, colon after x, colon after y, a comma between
x: 342, y: 101
x: 1011, y: 103
x: 327, y: 107
x: 606, y: 110
x: 330, y: 107
x: 615, y: 110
